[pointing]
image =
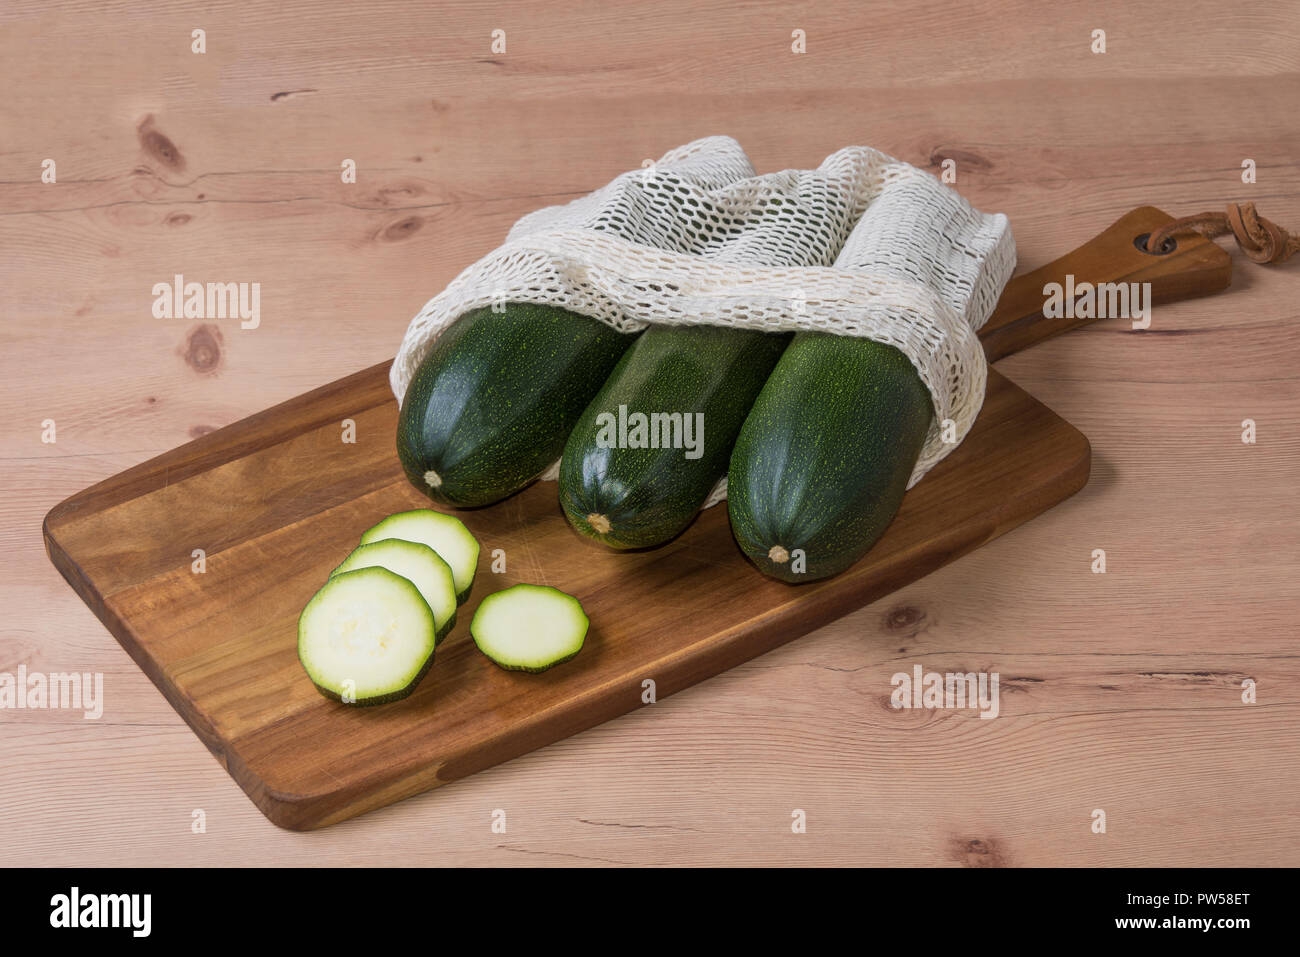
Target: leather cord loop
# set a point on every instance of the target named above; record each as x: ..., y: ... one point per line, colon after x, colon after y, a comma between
x: 1260, y: 239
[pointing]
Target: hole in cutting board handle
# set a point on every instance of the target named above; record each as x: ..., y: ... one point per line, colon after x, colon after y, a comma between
x: 1170, y: 244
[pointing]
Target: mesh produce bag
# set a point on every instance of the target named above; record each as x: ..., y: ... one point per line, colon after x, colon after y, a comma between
x: 864, y: 245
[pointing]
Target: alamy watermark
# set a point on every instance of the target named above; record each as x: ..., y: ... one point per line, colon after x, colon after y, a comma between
x: 1103, y: 300
x: 657, y: 430
x: 66, y: 690
x: 179, y: 299
x: 930, y: 689
x: 75, y: 909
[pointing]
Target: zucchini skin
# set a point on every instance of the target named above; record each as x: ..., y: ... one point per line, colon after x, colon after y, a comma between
x: 824, y: 457
x: 490, y: 407
x: 389, y: 698
x: 642, y: 497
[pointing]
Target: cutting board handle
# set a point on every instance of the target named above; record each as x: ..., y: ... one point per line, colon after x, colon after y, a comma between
x: 1195, y: 266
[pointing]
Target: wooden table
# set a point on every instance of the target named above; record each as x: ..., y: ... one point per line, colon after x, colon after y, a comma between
x: 1121, y: 692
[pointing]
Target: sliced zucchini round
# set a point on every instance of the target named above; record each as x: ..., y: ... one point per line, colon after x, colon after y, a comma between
x: 529, y: 627
x: 418, y: 564
x: 445, y: 534
x: 367, y: 637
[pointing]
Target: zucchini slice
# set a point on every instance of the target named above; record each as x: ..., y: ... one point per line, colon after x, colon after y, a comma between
x: 529, y: 627
x: 418, y: 564
x: 445, y: 534
x: 367, y: 637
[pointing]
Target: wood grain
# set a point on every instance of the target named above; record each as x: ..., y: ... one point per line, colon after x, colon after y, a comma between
x: 1194, y: 267
x: 274, y: 502
x: 278, y: 500
x: 1200, y: 529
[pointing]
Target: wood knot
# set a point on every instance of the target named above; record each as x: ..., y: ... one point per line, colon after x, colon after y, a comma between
x: 903, y: 618
x: 402, y: 229
x: 977, y: 853
x: 177, y: 219
x: 966, y: 160
x: 202, y: 350
x: 157, y: 145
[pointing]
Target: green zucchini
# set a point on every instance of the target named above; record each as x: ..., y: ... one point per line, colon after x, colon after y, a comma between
x: 656, y: 439
x: 529, y: 627
x: 445, y: 534
x: 367, y: 637
x: 489, y: 408
x: 825, y: 455
x: 418, y: 564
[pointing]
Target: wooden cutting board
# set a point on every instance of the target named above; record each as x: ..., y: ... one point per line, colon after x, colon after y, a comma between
x: 276, y: 501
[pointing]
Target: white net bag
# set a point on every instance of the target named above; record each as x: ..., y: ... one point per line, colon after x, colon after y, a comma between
x: 864, y: 245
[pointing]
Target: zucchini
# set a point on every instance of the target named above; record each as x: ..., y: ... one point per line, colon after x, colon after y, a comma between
x: 676, y: 386
x: 529, y: 627
x: 825, y: 455
x: 489, y: 408
x: 366, y: 637
x: 445, y: 534
x: 418, y: 564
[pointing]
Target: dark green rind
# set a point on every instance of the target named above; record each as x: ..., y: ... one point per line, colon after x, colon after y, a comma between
x: 492, y: 403
x: 824, y: 457
x: 530, y: 671
x: 379, y: 699
x: 445, y: 630
x: 650, y: 495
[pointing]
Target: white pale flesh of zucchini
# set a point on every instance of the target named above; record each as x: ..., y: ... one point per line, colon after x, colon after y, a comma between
x: 418, y: 564
x: 445, y: 534
x: 366, y: 635
x: 529, y: 627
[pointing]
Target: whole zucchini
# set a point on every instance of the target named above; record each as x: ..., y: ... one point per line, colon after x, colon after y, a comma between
x: 492, y: 403
x: 692, y: 386
x: 824, y: 457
